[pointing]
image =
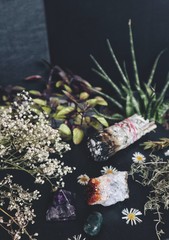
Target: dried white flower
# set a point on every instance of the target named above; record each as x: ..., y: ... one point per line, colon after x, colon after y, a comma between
x: 108, y: 170
x: 27, y: 142
x: 19, y: 211
x: 131, y: 216
x: 77, y: 237
x: 166, y: 153
x: 138, y: 157
x: 83, y: 179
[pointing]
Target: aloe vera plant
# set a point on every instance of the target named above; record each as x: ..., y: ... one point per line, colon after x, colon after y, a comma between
x: 142, y: 98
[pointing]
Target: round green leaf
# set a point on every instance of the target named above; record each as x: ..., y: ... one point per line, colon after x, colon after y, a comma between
x: 84, y: 95
x: 35, y: 92
x: 101, y: 101
x: 40, y: 102
x: 65, y: 129
x: 78, y: 135
x: 102, y: 120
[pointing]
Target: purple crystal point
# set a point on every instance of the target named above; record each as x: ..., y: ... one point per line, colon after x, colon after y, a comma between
x: 62, y: 207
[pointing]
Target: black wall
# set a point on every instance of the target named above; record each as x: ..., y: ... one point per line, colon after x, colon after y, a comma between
x: 78, y: 28
x: 23, y: 40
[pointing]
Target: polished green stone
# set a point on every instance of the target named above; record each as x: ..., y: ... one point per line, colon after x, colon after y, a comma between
x: 93, y: 223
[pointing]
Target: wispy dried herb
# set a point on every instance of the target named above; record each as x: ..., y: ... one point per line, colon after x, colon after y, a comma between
x: 154, y: 174
x: 156, y: 145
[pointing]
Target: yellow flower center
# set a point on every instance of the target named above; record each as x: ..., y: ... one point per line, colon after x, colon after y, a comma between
x: 139, y: 158
x: 109, y: 171
x: 84, y: 179
x: 131, y: 216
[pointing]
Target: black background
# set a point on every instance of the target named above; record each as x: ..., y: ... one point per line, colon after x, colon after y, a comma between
x: 76, y: 29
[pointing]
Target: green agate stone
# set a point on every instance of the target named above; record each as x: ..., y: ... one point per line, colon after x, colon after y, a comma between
x: 93, y: 224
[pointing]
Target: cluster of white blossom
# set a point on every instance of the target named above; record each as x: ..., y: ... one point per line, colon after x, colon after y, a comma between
x: 19, y: 212
x: 28, y: 142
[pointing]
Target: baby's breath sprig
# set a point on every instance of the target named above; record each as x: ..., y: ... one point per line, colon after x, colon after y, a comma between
x: 27, y: 142
x: 19, y: 212
x: 154, y: 174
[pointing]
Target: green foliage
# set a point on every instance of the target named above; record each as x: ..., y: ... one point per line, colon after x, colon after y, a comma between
x: 72, y: 104
x: 141, y: 98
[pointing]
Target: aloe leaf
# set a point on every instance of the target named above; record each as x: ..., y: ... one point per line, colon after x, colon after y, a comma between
x: 112, y: 100
x: 166, y: 86
x: 105, y: 76
x: 129, y: 106
x: 115, y: 116
x: 135, y: 104
x: 134, y: 62
x: 150, y: 79
x: 144, y: 98
x: 161, y: 97
x: 150, y: 111
x: 117, y: 63
x: 149, y: 90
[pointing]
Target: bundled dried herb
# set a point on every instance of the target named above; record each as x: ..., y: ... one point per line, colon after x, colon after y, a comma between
x: 154, y: 174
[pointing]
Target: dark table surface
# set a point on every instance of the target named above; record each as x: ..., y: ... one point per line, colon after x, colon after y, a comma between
x: 113, y: 226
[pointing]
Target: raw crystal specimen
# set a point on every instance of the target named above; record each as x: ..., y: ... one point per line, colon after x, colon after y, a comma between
x: 108, y: 189
x: 62, y: 207
x: 118, y: 136
x: 93, y: 223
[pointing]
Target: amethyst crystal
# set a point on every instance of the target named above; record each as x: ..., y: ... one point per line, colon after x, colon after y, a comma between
x: 62, y: 207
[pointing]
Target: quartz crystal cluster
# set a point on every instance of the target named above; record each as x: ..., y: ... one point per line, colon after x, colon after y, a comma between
x: 108, y: 189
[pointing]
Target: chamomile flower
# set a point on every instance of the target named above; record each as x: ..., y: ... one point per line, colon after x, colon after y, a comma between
x: 138, y: 157
x: 108, y: 170
x: 83, y: 179
x: 78, y: 237
x: 131, y: 216
x: 166, y: 153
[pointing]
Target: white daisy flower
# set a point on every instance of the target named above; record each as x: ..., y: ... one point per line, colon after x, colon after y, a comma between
x: 108, y: 170
x: 138, y: 157
x: 131, y: 216
x: 166, y: 153
x: 78, y: 237
x: 83, y: 179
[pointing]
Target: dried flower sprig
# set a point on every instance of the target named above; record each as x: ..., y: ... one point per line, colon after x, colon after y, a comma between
x: 77, y: 237
x: 156, y: 145
x: 19, y: 213
x: 154, y: 174
x: 131, y: 216
x: 27, y: 142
